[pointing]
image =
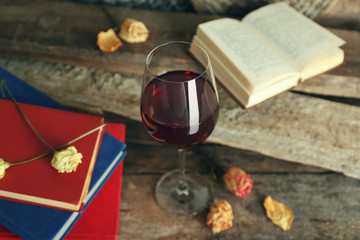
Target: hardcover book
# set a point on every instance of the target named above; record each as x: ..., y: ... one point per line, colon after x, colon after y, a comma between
x: 101, y: 218
x: 38, y: 182
x: 25, y: 93
x: 272, y: 49
x: 94, y: 223
x: 37, y: 222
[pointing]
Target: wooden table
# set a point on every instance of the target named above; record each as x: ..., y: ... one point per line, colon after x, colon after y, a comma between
x: 51, y: 45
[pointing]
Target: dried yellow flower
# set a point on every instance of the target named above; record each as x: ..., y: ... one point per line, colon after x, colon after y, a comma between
x: 66, y: 160
x: 133, y: 31
x: 278, y: 213
x: 220, y: 216
x: 108, y: 41
x: 3, y: 166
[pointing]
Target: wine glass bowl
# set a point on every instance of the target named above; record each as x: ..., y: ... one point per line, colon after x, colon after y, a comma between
x: 179, y: 108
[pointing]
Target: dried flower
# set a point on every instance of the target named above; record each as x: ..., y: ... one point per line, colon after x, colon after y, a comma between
x: 3, y: 166
x: 66, y: 160
x: 133, y: 31
x: 108, y: 41
x: 278, y: 213
x: 220, y: 216
x: 238, y: 182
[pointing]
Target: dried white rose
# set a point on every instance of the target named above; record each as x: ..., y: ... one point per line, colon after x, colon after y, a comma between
x: 3, y: 166
x: 133, y: 31
x: 66, y: 160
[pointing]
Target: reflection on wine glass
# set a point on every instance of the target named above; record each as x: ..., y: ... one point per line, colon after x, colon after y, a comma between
x: 179, y: 108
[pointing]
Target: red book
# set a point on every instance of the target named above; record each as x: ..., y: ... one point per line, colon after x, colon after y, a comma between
x: 38, y: 182
x: 101, y: 218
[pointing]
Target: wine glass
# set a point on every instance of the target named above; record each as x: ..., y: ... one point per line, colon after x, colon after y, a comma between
x: 179, y: 108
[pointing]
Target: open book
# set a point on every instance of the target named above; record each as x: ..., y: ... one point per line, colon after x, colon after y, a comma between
x: 271, y: 50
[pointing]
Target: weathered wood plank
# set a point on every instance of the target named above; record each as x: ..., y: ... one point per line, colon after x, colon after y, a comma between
x: 325, y: 204
x: 291, y: 127
x: 309, y: 191
x: 333, y: 85
x: 325, y: 207
x: 46, y: 30
x: 296, y: 128
x: 344, y: 14
x: 200, y: 158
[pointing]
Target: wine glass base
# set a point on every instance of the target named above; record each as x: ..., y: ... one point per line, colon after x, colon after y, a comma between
x: 190, y: 198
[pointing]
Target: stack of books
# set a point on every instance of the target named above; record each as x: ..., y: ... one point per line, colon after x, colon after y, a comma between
x: 38, y: 202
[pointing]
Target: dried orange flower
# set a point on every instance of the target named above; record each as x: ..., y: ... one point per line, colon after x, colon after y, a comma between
x: 278, y: 213
x: 238, y: 182
x: 108, y: 41
x: 220, y: 216
x: 3, y: 166
x: 133, y: 31
x: 66, y: 160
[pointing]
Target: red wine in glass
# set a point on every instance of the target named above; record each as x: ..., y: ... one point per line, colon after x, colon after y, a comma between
x: 179, y: 108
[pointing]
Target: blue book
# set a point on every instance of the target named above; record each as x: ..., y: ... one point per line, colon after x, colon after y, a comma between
x: 25, y: 93
x: 36, y: 222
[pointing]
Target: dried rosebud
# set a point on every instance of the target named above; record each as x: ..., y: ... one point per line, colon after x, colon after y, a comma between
x: 3, y: 166
x: 108, y: 41
x: 278, y: 213
x: 133, y: 31
x: 238, y: 182
x: 66, y: 160
x: 220, y: 216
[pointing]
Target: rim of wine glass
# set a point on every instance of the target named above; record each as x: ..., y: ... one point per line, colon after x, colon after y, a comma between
x: 149, y: 56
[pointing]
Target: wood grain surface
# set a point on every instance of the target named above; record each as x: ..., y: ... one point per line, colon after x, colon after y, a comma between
x: 294, y: 127
x: 314, y: 128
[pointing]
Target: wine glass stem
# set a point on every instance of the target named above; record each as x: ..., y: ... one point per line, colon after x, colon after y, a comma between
x: 182, y: 188
x: 182, y: 157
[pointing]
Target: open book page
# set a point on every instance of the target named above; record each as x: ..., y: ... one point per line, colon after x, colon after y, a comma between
x: 244, y: 54
x: 297, y: 38
x: 324, y: 63
x: 234, y: 84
